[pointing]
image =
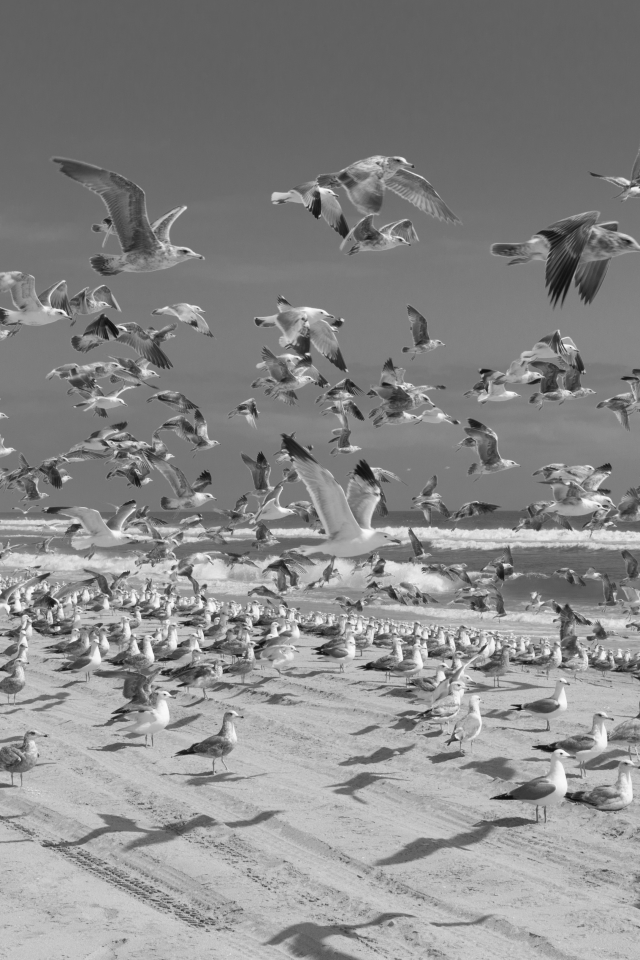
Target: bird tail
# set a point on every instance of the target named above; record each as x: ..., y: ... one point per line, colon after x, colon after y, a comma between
x: 105, y: 265
x: 168, y: 503
x: 280, y: 197
x: 264, y: 321
x: 77, y: 344
x: 545, y: 747
x: 3, y: 315
x: 517, y: 706
x: 510, y: 250
x: 474, y: 468
x: 503, y: 796
x: 184, y: 753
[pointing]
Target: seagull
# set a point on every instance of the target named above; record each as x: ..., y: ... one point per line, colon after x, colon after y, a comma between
x: 15, y: 682
x: 583, y: 746
x: 306, y: 322
x: 145, y: 247
x: 366, y: 181
x: 260, y: 470
x: 422, y: 342
x: 577, y: 248
x: 547, y: 791
x: 627, y: 732
x: 346, y: 519
x: 96, y: 532
x: 549, y: 706
x: 343, y: 652
x: 364, y: 236
x: 33, y: 309
x: 248, y: 410
x: 174, y: 399
x: 445, y: 709
x: 187, y: 495
x: 5, y: 451
x: 468, y: 729
x: 20, y: 759
x: 187, y: 313
x: 218, y: 746
x: 629, y: 189
x: 86, y: 663
x: 342, y: 438
x: 151, y: 718
x: 612, y: 797
x: 88, y: 301
x: 319, y: 201
x: 98, y: 402
x: 95, y: 334
x: 196, y: 434
x: 486, y: 441
x: 145, y: 342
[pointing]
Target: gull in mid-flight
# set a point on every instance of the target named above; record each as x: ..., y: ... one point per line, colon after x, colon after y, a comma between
x: 364, y: 236
x: 422, y: 342
x: 196, y: 433
x: 310, y: 324
x: 248, y: 410
x: 187, y: 495
x: 319, y: 201
x: 96, y: 531
x: 629, y: 189
x: 98, y: 402
x: 577, y: 248
x: 346, y: 519
x: 88, y: 301
x: 33, y: 309
x: 366, y: 181
x: 145, y: 247
x: 486, y: 441
x: 187, y: 313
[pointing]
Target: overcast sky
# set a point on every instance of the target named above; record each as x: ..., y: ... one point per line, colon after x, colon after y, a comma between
x: 504, y: 106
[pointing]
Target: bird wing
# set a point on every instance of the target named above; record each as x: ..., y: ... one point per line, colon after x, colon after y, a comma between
x: 124, y: 200
x: 486, y: 441
x: 419, y: 330
x: 181, y: 426
x: 325, y: 341
x: 103, y: 293
x: 133, y: 335
x: 90, y: 519
x: 204, y: 480
x: 23, y: 294
x: 429, y: 486
x: 401, y: 228
x: 327, y: 495
x: 332, y: 212
x: 534, y: 790
x: 103, y: 583
x: 200, y: 425
x: 418, y: 191
x: 56, y: 296
x: 173, y: 475
x: 122, y: 514
x: 588, y: 278
x: 363, y: 494
x: 10, y: 756
x: 418, y: 549
x: 567, y: 239
x: 363, y: 230
x: 549, y: 373
x: 162, y: 226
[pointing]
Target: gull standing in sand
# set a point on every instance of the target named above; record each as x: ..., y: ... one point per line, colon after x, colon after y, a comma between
x: 549, y: 706
x: 547, y: 791
x: 151, y: 719
x: 187, y: 313
x: 582, y: 746
x: 611, y: 797
x: 486, y: 441
x: 366, y: 181
x: 20, y: 759
x: 218, y: 746
x: 577, y: 248
x: 319, y: 201
x: 145, y: 248
x: 346, y: 519
x: 468, y: 729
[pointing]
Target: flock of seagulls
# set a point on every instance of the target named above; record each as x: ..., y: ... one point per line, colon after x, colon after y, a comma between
x: 576, y: 250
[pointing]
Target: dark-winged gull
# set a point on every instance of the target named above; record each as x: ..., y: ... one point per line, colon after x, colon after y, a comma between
x: 366, y: 181
x: 145, y: 247
x: 319, y: 201
x: 575, y: 249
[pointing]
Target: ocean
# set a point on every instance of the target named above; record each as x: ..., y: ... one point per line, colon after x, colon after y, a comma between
x: 474, y: 542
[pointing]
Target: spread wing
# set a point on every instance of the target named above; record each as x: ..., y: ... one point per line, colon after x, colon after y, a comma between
x: 23, y: 293
x: 419, y: 330
x: 486, y: 441
x: 418, y: 191
x: 363, y: 494
x: 134, y: 336
x: 124, y: 200
x: 327, y: 495
x: 104, y: 295
x: 567, y: 239
x: 121, y: 515
x: 549, y: 373
x: 90, y: 519
x: 363, y: 230
x: 429, y: 486
x: 325, y: 341
x: 331, y: 212
x: 162, y: 226
x: 173, y: 475
x: 588, y: 278
x: 57, y: 297
x: 401, y: 228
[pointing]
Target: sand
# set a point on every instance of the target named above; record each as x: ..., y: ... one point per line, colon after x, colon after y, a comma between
x: 339, y: 831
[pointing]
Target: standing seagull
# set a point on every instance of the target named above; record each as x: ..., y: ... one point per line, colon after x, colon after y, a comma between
x: 583, y: 746
x: 422, y: 342
x: 548, y: 791
x: 468, y: 729
x: 629, y: 189
x: 577, y: 248
x: 549, y: 706
x: 218, y: 746
x: 346, y: 519
x: 144, y: 248
x: 21, y: 759
x: 366, y: 181
x: 486, y: 441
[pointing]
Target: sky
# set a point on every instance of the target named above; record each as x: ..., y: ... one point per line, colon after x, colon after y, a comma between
x: 505, y: 107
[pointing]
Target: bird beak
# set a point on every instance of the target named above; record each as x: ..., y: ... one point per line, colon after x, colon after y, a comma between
x: 197, y: 256
x: 395, y: 540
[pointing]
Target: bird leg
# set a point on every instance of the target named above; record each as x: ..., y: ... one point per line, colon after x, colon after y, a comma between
x: 224, y: 764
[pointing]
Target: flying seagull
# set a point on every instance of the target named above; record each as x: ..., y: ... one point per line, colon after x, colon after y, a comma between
x: 422, y: 342
x: 187, y: 313
x: 364, y: 236
x: 486, y: 441
x: 366, y: 181
x: 346, y: 519
x: 577, y: 248
x: 33, y: 309
x: 629, y: 189
x: 145, y: 247
x: 187, y: 495
x: 319, y: 201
